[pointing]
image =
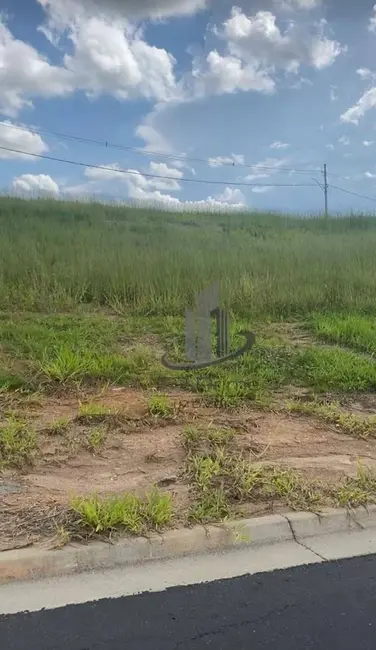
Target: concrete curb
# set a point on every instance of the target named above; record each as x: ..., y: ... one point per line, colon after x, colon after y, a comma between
x: 29, y: 564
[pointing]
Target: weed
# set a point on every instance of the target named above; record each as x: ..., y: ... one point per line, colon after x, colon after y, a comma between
x: 128, y: 512
x: 59, y: 427
x: 359, y: 491
x: 211, y: 506
x: 221, y: 476
x: 160, y: 406
x: 157, y: 509
x: 191, y: 437
x: 17, y: 444
x: 96, y: 438
x: 91, y: 413
x: 349, y: 423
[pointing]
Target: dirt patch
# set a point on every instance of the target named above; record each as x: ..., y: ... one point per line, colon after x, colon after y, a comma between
x: 137, y: 451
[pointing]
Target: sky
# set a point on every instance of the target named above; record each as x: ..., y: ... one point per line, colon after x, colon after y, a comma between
x: 190, y: 103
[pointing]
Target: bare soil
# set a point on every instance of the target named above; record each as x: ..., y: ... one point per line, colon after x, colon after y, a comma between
x: 140, y: 450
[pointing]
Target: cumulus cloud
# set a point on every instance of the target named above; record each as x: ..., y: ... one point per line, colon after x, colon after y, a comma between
x: 344, y: 140
x: 109, y: 58
x: 369, y: 175
x: 227, y: 74
x: 13, y: 136
x: 62, y: 12
x: 256, y: 49
x: 136, y: 180
x: 233, y: 159
x: 25, y: 74
x: 259, y: 38
x: 368, y: 143
x: 110, y: 173
x: 35, y: 184
x: 229, y: 199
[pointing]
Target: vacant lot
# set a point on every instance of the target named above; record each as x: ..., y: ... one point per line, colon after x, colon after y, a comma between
x: 98, y: 438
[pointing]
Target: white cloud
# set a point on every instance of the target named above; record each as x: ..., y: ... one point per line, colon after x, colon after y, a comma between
x: 35, y: 184
x: 365, y: 73
x: 135, y: 179
x: 229, y: 199
x: 372, y: 21
x: 368, y: 143
x: 112, y: 58
x: 293, y: 5
x: 63, y: 12
x: 233, y: 159
x: 262, y: 190
x: 256, y: 49
x: 258, y: 37
x: 14, y: 136
x: 110, y: 173
x: 25, y: 74
x: 370, y: 175
x: 279, y: 145
x: 344, y: 140
x: 365, y: 103
x: 148, y: 131
x: 231, y: 196
x: 330, y: 146
x: 266, y: 168
x: 227, y: 74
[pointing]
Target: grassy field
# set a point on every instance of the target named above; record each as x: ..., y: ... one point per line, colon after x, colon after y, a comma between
x: 61, y: 256
x: 92, y: 295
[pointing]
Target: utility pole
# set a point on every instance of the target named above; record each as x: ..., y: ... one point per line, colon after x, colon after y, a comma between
x: 326, y: 191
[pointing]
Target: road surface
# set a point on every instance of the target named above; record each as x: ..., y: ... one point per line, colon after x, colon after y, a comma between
x: 322, y: 606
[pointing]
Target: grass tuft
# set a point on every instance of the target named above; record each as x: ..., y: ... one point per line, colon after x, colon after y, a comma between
x: 128, y: 512
x: 160, y: 406
x: 17, y: 444
x: 348, y: 423
x: 96, y: 438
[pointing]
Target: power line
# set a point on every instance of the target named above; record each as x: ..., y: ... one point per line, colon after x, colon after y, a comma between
x: 148, y: 175
x: 362, y: 196
x: 111, y: 145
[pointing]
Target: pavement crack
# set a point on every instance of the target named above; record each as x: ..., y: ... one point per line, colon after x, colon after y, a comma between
x: 297, y: 540
x: 229, y: 626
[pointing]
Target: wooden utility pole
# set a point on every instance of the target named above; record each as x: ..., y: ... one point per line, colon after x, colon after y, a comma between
x: 326, y: 191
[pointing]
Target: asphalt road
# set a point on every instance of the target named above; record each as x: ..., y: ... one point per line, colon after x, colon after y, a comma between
x: 321, y: 606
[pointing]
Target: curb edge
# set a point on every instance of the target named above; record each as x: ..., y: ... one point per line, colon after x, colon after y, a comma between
x: 39, y: 563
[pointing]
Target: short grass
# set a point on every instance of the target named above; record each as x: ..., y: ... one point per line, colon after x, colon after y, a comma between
x: 160, y: 406
x: 18, y: 444
x: 92, y: 412
x: 82, y: 350
x: 60, y: 426
x: 127, y: 512
x: 353, y: 330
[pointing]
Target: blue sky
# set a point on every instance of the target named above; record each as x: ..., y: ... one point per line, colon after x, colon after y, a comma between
x: 247, y: 96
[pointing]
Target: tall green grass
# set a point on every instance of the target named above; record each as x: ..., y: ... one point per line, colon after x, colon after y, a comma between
x: 61, y: 255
